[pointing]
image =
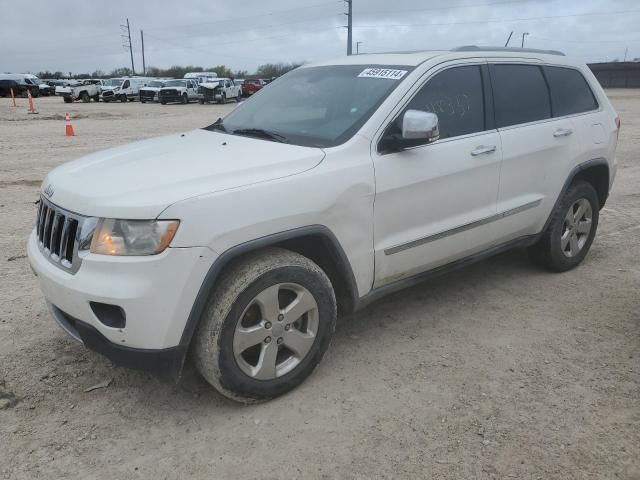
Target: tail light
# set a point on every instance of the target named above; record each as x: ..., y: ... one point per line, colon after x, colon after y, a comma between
x: 618, y: 125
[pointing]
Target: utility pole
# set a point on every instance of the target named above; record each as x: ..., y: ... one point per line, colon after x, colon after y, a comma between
x: 144, y: 67
x: 126, y: 38
x: 523, y: 34
x: 358, y: 47
x: 626, y: 50
x: 349, y: 15
x: 509, y: 38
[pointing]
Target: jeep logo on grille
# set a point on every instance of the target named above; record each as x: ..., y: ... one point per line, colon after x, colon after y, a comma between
x: 49, y: 191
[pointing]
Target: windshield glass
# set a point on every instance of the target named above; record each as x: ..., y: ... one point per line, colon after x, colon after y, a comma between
x: 113, y: 82
x: 317, y: 106
x: 155, y: 83
x: 175, y: 83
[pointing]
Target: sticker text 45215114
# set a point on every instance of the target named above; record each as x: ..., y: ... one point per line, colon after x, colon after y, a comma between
x: 383, y: 73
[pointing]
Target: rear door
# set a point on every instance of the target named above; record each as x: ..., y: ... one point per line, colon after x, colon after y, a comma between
x: 537, y: 148
x: 435, y: 203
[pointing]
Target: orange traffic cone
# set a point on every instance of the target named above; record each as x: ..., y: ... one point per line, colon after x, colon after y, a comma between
x: 32, y: 108
x: 13, y: 99
x: 69, y: 128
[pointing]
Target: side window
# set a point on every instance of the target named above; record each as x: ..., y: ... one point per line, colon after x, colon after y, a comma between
x: 520, y: 94
x: 570, y: 92
x: 456, y: 96
x: 126, y: 84
x: 226, y: 84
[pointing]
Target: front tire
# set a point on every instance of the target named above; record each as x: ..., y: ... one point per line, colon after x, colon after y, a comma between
x: 185, y: 98
x: 266, y: 326
x: 84, y: 96
x: 571, y: 231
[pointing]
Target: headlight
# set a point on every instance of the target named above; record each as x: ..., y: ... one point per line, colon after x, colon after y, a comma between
x: 132, y: 237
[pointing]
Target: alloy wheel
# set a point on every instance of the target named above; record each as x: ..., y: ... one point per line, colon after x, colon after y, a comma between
x: 276, y: 331
x: 576, y: 227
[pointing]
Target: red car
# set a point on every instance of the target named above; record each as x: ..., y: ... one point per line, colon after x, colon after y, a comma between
x: 252, y: 86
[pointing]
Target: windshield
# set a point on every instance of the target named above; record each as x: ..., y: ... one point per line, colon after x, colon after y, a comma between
x: 175, y: 83
x: 155, y: 83
x: 113, y: 82
x: 316, y: 106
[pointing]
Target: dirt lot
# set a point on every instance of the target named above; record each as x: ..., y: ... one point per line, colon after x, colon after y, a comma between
x: 496, y: 371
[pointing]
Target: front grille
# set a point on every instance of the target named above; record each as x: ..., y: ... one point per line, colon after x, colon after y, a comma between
x: 147, y: 94
x: 58, y: 232
x: 169, y: 93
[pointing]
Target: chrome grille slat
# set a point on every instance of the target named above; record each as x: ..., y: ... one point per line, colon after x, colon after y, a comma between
x: 57, y: 231
x: 64, y: 238
x: 47, y: 228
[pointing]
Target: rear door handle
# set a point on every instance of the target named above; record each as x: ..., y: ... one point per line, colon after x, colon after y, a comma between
x: 482, y: 150
x: 562, y: 132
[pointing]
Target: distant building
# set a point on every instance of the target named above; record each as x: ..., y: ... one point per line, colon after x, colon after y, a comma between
x: 617, y: 74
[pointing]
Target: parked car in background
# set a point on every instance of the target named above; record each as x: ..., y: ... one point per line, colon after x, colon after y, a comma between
x: 150, y: 92
x: 200, y: 77
x: 251, y: 86
x: 83, y: 90
x: 178, y: 91
x: 219, y: 90
x: 20, y: 83
x: 43, y: 88
x: 123, y: 89
x: 240, y: 83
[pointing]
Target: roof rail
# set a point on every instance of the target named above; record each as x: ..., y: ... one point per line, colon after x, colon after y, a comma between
x: 476, y: 48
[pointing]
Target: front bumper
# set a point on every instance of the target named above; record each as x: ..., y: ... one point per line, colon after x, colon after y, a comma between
x: 166, y: 363
x: 155, y: 292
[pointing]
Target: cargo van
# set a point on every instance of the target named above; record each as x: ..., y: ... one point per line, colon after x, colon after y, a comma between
x: 123, y: 89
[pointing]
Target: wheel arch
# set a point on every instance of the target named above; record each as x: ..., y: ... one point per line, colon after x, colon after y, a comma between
x: 316, y: 242
x: 597, y: 174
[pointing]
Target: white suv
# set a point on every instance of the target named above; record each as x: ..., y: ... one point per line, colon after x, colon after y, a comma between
x: 341, y: 182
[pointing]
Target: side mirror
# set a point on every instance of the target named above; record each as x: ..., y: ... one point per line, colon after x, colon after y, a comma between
x: 419, y: 125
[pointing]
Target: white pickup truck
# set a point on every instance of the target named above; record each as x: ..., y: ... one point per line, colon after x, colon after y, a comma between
x: 84, y: 90
x: 219, y: 90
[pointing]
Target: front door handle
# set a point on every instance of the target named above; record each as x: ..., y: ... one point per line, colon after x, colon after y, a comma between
x: 482, y: 150
x: 562, y: 132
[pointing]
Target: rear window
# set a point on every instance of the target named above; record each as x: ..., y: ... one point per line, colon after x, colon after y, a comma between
x: 520, y: 94
x: 570, y: 92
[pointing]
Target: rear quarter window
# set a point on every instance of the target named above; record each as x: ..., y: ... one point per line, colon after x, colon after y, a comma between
x: 520, y: 94
x: 570, y: 92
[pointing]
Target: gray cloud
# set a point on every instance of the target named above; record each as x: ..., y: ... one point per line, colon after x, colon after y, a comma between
x: 84, y: 35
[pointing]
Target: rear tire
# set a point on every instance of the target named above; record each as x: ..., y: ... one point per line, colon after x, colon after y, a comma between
x: 571, y: 230
x: 67, y: 99
x: 266, y: 326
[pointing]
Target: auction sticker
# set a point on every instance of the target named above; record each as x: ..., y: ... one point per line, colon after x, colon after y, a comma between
x: 383, y: 73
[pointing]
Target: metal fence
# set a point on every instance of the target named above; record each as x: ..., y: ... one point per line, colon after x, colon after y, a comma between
x: 617, y: 74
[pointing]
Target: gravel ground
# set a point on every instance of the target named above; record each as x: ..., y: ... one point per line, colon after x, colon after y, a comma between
x: 496, y: 371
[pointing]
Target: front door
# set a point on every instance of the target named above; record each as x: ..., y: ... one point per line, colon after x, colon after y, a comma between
x: 435, y: 203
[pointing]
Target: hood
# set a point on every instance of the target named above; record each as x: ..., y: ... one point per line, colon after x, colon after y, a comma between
x: 141, y: 179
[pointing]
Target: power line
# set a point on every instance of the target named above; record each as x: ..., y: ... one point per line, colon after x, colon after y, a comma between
x: 245, y: 17
x: 245, y: 29
x: 496, y: 20
x: 451, y: 7
x: 604, y: 40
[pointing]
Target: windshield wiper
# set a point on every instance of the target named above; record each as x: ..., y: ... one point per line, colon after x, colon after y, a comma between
x: 261, y: 133
x: 217, y: 125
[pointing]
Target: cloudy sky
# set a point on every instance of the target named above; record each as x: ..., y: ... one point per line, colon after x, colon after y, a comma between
x: 84, y: 35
